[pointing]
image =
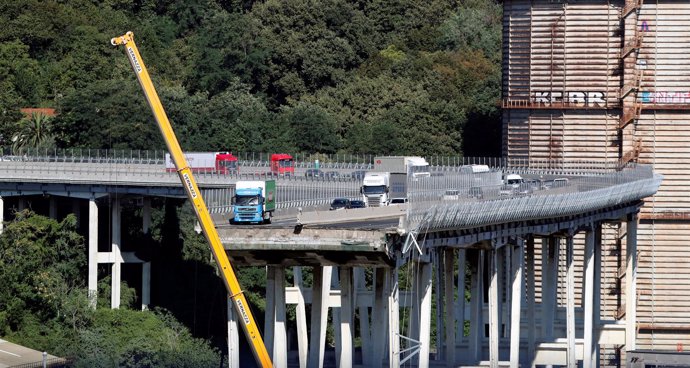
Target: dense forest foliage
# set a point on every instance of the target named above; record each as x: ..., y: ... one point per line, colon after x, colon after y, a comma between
x: 329, y: 76
x: 381, y: 77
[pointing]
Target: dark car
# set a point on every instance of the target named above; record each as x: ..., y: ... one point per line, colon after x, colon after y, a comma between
x: 340, y: 203
x: 359, y: 174
x: 313, y: 173
x: 357, y: 203
x: 331, y: 174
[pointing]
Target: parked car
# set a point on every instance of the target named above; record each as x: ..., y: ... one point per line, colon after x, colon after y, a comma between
x: 313, y: 173
x: 358, y: 174
x: 451, y: 195
x: 340, y: 203
x: 357, y: 203
x: 524, y: 189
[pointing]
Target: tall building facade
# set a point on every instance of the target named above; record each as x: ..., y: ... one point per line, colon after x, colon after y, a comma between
x: 610, y: 80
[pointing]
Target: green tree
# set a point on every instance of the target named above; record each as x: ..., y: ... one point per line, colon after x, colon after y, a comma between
x: 34, y: 132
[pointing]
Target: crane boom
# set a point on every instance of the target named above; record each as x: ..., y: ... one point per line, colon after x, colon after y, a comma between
x: 189, y: 183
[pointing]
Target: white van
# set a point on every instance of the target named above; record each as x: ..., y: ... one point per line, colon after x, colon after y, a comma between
x: 474, y: 169
x: 514, y: 180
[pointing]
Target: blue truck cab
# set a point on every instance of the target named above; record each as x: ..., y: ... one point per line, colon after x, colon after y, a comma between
x: 254, y: 201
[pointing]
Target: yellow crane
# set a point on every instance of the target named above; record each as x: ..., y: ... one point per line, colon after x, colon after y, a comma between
x: 189, y: 183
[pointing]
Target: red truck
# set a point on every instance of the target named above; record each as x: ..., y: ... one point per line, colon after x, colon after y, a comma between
x: 207, y: 162
x: 282, y: 164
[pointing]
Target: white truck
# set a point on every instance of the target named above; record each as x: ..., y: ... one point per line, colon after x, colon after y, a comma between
x: 388, y: 181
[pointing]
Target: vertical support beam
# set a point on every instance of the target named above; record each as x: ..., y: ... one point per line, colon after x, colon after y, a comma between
x: 93, y: 253
x: 2, y: 214
x: 146, y: 215
x: 449, y: 301
x: 52, y: 208
x: 116, y: 246
x: 145, y: 285
x: 393, y: 317
x: 570, y: 308
x: 379, y: 314
x: 516, y: 301
x: 76, y: 210
x: 438, y: 261
x: 319, y: 314
x: 477, y: 306
x: 279, y: 319
x: 549, y: 282
x: 531, y: 295
x: 301, y: 319
x: 270, y: 311
x: 597, y: 292
x: 589, y: 298
x: 21, y: 203
x: 460, y: 301
x: 233, y: 337
x: 344, y: 359
x: 631, y: 283
x: 425, y: 314
x: 359, y: 284
x: 493, y: 309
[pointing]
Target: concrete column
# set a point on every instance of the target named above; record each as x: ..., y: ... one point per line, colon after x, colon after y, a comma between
x: 269, y: 312
x: 570, y: 308
x: 531, y: 295
x: 2, y: 214
x: 117, y: 254
x: 93, y: 253
x: 319, y: 314
x: 146, y: 215
x: 145, y: 285
x: 449, y: 301
x: 364, y: 325
x: 589, y: 298
x: 393, y: 317
x: 379, y: 315
x: 440, y: 279
x: 494, y: 332
x: 344, y: 359
x: 631, y: 283
x: 518, y: 282
x: 52, y: 208
x: 301, y: 319
x: 460, y: 301
x: 597, y: 292
x: 233, y: 337
x: 21, y: 204
x: 279, y: 319
x: 549, y: 284
x: 476, y: 306
x: 425, y: 314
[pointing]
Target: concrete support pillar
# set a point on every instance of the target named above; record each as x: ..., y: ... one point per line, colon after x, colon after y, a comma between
x: 589, y: 298
x: 460, y: 301
x: 440, y: 280
x: 319, y: 314
x: 570, y: 308
x: 301, y: 319
x: 21, y: 204
x: 393, y: 317
x: 531, y: 295
x: 550, y: 255
x: 52, y: 208
x: 476, y: 306
x: 425, y: 314
x: 631, y: 283
x: 518, y: 282
x: 116, y: 276
x: 597, y: 292
x: 93, y: 253
x: 145, y: 285
x: 269, y: 312
x: 344, y: 358
x: 449, y: 302
x: 379, y: 315
x: 279, y: 319
x: 2, y: 214
x: 359, y: 284
x: 494, y: 332
x: 233, y: 337
x: 146, y: 215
